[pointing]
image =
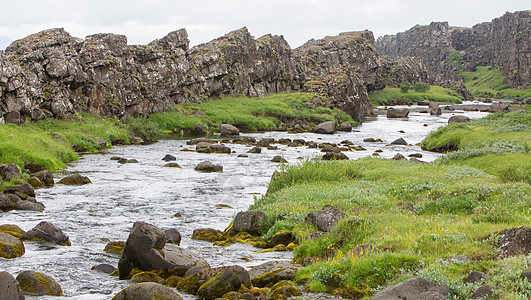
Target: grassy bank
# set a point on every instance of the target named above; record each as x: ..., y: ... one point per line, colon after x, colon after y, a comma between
x: 457, y: 206
x: 488, y: 82
x: 254, y: 114
x: 51, y: 143
x: 434, y: 94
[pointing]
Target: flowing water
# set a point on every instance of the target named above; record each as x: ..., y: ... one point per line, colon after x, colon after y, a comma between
x: 121, y: 194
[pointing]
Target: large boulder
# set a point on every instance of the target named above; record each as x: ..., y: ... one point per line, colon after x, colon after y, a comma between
x: 248, y: 221
x: 397, y: 112
x: 38, y: 284
x: 10, y: 171
x: 515, y: 241
x: 224, y: 282
x: 24, y: 189
x: 435, y: 109
x: 45, y: 231
x: 414, y: 289
x: 219, y: 148
x: 207, y: 166
x: 9, y: 287
x: 143, y: 250
x: 197, y: 278
x: 227, y: 129
x: 326, y: 218
x: 147, y: 290
x: 458, y: 119
x: 11, y: 229
x: 7, y: 202
x: 75, y: 179
x: 10, y: 246
x: 325, y: 127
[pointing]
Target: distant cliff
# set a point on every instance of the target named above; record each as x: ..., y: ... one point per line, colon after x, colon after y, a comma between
x: 444, y: 51
x: 52, y: 74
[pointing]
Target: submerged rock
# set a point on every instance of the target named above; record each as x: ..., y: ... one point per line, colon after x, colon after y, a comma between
x: 38, y: 284
x: 169, y: 157
x: 278, y: 159
x: 104, y: 268
x: 399, y: 141
x: 172, y: 165
x: 45, y: 231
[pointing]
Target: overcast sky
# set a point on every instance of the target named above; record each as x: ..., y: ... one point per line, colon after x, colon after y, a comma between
x: 297, y: 20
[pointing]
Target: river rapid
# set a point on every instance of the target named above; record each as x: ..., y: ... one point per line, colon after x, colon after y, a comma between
x: 121, y: 194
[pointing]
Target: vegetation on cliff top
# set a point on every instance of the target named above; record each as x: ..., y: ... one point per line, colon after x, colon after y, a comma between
x: 254, y: 114
x: 488, y: 82
x: 433, y: 93
x: 418, y: 216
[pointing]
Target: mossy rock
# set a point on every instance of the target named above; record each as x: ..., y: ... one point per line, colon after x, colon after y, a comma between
x: 36, y: 183
x: 207, y: 234
x: 147, y: 277
x: 10, y: 246
x: 226, y: 281
x: 37, y: 284
x: 13, y: 230
x: 260, y: 244
x: 270, y: 278
x: 174, y: 281
x: 115, y: 247
x: 284, y: 288
x: 147, y: 290
x: 231, y: 296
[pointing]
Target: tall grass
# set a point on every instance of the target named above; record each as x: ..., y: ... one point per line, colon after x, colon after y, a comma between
x: 254, y: 113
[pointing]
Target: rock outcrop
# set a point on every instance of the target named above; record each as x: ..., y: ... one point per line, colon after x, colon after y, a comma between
x: 52, y: 74
x: 436, y: 53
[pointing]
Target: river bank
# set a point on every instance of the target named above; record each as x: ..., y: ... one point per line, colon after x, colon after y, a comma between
x: 123, y: 193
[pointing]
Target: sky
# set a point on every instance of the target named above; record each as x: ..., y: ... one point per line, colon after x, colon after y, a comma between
x: 297, y: 20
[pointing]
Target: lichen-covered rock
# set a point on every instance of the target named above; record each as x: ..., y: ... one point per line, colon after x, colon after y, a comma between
x: 35, y: 182
x: 45, y: 231
x: 147, y: 277
x: 284, y: 288
x: 7, y: 202
x: 9, y: 287
x: 476, y: 276
x: 207, y: 234
x: 335, y: 156
x: 11, y: 229
x: 326, y: 218
x: 74, y: 179
x: 268, y: 272
x: 147, y: 290
x: 115, y: 247
x: 515, y: 241
x: 196, y: 278
x: 248, y: 221
x: 183, y: 257
x: 282, y: 238
x: 30, y: 206
x: 37, y: 284
x: 10, y: 246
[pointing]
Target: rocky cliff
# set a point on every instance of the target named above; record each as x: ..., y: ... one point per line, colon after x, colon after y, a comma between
x: 444, y: 51
x: 52, y: 74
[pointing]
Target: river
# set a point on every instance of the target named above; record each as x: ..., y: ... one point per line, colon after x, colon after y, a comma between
x: 121, y: 194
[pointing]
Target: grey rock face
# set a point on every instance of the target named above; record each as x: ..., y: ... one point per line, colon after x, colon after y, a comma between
x: 326, y: 218
x: 45, y: 231
x: 9, y: 287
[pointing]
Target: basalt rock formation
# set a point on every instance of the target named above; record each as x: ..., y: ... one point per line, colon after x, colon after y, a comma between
x: 52, y: 74
x: 443, y: 51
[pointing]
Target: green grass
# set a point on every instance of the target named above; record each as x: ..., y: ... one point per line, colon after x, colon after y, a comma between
x: 257, y: 114
x: 50, y: 142
x: 488, y: 82
x: 435, y: 94
x: 460, y: 203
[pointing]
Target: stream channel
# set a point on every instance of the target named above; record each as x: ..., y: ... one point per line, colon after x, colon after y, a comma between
x: 121, y: 194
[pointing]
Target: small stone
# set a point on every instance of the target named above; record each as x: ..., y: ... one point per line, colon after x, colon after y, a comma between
x: 278, y: 159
